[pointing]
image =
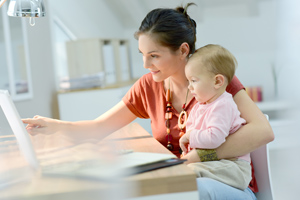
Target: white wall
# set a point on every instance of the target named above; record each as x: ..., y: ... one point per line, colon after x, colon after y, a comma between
x: 250, y: 38
x: 288, y: 49
x: 88, y: 19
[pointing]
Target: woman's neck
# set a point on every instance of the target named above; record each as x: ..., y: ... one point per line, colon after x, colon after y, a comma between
x: 178, y: 84
x: 179, y: 88
x: 177, y: 80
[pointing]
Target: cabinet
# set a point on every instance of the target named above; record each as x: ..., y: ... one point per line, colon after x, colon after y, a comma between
x: 90, y: 104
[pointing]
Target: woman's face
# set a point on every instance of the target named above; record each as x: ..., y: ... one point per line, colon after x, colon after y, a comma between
x: 160, y: 60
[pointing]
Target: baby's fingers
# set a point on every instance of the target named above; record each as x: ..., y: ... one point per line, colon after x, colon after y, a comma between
x: 184, y: 149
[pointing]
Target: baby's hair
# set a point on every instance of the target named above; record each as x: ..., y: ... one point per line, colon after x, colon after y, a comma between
x: 170, y: 27
x: 217, y: 60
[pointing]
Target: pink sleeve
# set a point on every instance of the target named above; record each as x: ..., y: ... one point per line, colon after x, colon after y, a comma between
x: 215, y: 127
x: 190, y: 121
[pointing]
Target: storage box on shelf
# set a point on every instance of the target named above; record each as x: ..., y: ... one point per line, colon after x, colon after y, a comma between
x: 96, y: 62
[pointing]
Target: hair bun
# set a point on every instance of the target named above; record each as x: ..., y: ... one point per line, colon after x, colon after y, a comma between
x: 183, y: 10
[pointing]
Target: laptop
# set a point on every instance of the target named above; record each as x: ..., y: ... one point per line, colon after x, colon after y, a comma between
x: 127, y: 164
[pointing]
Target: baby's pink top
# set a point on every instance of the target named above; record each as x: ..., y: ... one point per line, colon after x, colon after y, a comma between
x: 212, y: 123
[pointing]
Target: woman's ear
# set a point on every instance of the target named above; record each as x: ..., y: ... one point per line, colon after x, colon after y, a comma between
x: 184, y: 49
x: 219, y: 81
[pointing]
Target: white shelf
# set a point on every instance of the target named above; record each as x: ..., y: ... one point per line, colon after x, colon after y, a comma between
x: 282, y: 122
x: 266, y: 106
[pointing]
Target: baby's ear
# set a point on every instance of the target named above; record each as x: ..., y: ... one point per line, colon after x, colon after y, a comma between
x: 219, y: 81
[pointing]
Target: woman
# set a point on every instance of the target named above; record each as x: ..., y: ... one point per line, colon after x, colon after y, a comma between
x: 166, y: 38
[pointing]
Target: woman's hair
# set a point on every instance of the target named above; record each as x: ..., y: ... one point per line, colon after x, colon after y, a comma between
x: 217, y: 60
x: 170, y: 27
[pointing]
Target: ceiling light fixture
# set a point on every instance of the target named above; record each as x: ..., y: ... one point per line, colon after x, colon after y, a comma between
x: 26, y: 8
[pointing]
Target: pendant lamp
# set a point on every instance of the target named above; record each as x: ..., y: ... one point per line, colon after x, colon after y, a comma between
x: 26, y: 8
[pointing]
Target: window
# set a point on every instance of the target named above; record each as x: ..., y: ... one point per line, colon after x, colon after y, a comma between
x: 15, y: 73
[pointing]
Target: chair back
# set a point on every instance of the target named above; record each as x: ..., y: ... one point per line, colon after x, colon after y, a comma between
x: 260, y: 160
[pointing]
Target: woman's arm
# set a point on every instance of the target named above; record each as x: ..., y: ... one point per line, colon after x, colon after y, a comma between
x: 112, y: 120
x: 249, y: 137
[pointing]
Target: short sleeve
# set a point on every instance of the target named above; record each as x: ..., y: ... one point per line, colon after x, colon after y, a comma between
x: 134, y: 99
x: 234, y: 86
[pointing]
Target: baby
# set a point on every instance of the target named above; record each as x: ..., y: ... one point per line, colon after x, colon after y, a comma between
x: 209, y: 70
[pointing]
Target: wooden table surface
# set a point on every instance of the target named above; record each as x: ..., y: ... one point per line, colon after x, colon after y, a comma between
x: 172, y: 179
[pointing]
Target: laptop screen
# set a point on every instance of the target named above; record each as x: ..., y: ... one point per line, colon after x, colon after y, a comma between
x: 15, y: 125
x: 13, y: 165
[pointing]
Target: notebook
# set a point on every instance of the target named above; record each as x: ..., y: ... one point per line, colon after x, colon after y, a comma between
x: 127, y: 164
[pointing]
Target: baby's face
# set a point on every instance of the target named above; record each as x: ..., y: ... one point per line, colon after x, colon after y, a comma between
x: 201, y: 81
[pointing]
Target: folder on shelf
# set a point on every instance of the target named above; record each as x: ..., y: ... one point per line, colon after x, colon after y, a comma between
x: 109, y: 63
x: 124, y: 62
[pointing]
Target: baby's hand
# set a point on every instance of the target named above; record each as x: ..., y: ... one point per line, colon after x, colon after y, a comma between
x: 182, y: 155
x: 183, y: 143
x: 191, y: 157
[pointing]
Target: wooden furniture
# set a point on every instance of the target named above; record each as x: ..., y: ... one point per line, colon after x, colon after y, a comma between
x: 173, y: 179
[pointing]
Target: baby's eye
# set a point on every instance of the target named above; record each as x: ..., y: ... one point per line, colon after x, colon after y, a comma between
x: 154, y: 56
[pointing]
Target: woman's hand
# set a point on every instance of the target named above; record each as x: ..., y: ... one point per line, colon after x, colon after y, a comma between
x: 109, y: 122
x: 41, y: 125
